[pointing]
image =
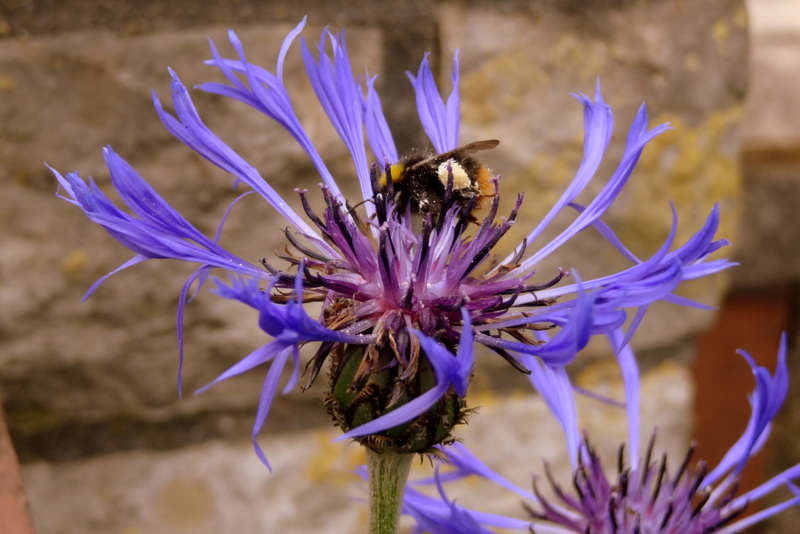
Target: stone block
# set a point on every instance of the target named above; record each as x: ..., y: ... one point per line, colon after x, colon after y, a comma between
x: 114, y: 356
x: 107, y: 367
x: 772, y: 112
x: 222, y: 487
x: 686, y: 61
x: 767, y: 248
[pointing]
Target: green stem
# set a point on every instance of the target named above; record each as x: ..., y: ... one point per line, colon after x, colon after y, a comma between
x: 388, y: 472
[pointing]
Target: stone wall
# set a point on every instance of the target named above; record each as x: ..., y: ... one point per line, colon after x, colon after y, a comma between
x: 764, y: 294
x: 90, y: 389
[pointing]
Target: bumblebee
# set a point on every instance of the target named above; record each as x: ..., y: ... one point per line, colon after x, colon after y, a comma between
x: 420, y: 179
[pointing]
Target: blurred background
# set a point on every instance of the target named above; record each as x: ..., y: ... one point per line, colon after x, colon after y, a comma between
x: 99, y: 439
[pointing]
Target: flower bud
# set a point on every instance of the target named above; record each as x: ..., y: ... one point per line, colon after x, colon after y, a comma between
x: 366, y: 383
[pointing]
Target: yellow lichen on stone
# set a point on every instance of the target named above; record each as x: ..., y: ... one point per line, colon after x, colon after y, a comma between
x: 482, y: 394
x: 691, y: 62
x: 694, y: 167
x: 74, y: 263
x: 667, y: 392
x: 498, y: 85
x: 333, y: 463
x: 584, y: 58
x: 603, y: 373
x: 739, y: 18
x: 699, y: 165
x: 543, y: 181
x: 721, y: 31
x: 184, y: 503
x: 7, y: 83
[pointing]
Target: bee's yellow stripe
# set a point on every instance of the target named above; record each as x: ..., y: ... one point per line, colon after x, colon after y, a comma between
x: 398, y: 174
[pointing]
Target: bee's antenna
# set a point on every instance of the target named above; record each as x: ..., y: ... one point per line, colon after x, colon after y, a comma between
x: 352, y: 209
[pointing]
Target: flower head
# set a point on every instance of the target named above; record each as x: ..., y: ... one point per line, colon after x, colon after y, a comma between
x: 643, y: 496
x: 407, y: 276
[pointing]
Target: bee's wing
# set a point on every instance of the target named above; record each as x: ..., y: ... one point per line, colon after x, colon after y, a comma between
x: 469, y: 148
x: 477, y: 146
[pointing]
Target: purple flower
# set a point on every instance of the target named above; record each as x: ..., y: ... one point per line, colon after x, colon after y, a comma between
x: 643, y: 495
x: 406, y: 275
